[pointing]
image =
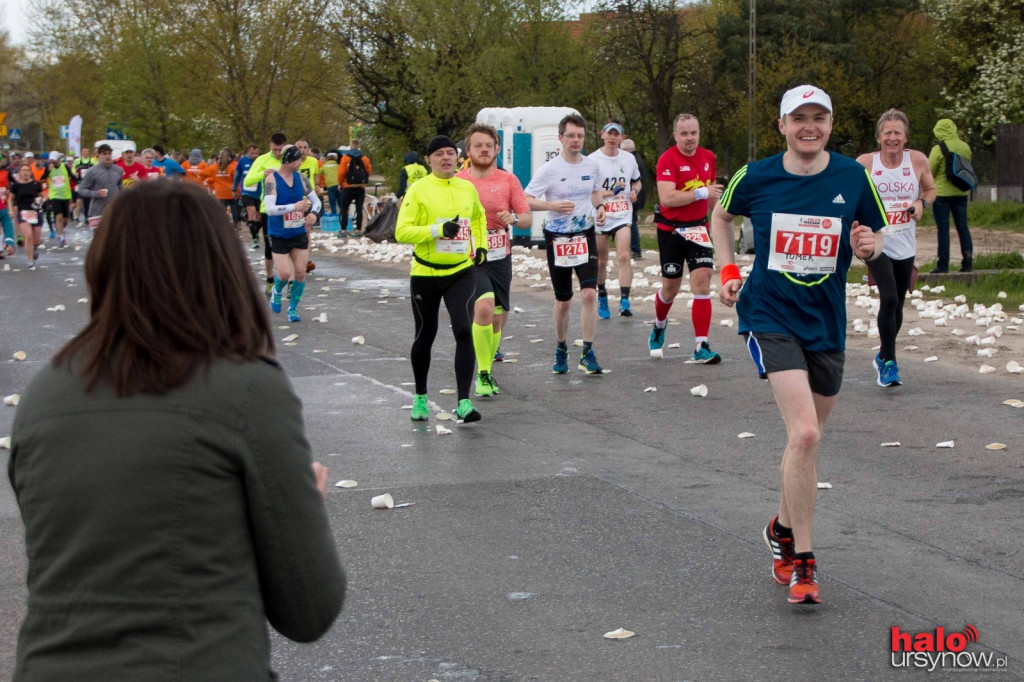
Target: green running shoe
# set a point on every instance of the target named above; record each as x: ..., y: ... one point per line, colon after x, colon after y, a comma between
x: 466, y: 412
x: 420, y: 412
x: 484, y: 389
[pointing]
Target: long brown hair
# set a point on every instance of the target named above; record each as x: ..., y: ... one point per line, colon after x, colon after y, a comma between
x: 170, y: 291
x: 224, y: 158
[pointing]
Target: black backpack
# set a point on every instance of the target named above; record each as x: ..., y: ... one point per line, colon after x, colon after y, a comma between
x: 356, y: 174
x: 959, y: 170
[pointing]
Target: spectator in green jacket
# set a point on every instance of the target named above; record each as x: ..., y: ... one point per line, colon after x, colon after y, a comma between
x: 160, y: 463
x: 949, y: 199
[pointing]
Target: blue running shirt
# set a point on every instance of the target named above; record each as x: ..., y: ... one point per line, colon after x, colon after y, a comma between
x: 291, y: 224
x: 803, y: 294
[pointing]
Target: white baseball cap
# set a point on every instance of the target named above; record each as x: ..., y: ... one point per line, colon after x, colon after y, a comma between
x: 29, y: 155
x: 801, y: 95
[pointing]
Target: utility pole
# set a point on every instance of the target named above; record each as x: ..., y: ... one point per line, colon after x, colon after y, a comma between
x: 752, y: 83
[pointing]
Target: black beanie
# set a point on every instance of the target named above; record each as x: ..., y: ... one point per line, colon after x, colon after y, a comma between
x: 440, y: 142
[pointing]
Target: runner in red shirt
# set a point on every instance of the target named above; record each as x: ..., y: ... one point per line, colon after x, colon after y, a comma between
x: 687, y: 192
x: 133, y: 170
x: 505, y: 204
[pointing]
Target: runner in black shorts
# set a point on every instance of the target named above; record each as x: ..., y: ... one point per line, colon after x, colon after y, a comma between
x: 781, y: 352
x: 505, y: 206
x: 687, y: 190
x: 568, y: 187
x: 812, y: 210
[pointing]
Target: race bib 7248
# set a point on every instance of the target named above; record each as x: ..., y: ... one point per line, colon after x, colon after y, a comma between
x: 897, y: 216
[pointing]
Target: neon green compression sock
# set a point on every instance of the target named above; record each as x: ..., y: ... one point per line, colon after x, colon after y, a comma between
x: 482, y: 346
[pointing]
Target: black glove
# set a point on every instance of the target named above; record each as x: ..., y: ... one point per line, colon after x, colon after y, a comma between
x: 451, y: 228
x: 481, y: 256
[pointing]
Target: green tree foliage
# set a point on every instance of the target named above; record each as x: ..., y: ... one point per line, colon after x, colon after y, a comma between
x: 869, y: 55
x: 198, y: 73
x: 421, y: 68
x: 655, y: 54
x: 983, y: 70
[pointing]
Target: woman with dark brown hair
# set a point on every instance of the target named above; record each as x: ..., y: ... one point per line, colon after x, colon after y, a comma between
x: 170, y: 503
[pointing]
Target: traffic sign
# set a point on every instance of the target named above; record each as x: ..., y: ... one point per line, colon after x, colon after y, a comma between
x: 63, y: 132
x: 3, y: 131
x: 3, y: 117
x: 113, y: 134
x: 14, y: 134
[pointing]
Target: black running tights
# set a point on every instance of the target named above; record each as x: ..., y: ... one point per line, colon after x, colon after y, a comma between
x: 892, y: 277
x: 458, y: 292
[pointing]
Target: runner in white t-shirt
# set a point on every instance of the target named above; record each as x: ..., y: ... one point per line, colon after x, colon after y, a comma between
x: 906, y: 187
x: 567, y: 188
x: 620, y: 183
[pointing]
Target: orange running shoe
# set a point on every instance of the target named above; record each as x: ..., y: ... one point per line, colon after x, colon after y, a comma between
x: 803, y: 586
x: 310, y: 266
x: 782, y: 552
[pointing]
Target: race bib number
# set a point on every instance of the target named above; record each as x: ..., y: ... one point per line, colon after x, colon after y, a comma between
x: 497, y: 244
x: 698, y: 234
x: 571, y: 251
x: 58, y: 181
x: 457, y: 244
x: 250, y: 188
x: 804, y: 245
x: 94, y: 222
x: 30, y: 217
x: 617, y: 207
x: 897, y: 216
x: 3, y: 194
x: 294, y: 220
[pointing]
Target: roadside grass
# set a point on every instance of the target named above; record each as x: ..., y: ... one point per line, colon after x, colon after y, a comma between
x: 996, y: 215
x: 982, y: 289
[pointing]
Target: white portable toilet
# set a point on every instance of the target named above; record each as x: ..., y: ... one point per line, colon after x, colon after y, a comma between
x: 529, y: 137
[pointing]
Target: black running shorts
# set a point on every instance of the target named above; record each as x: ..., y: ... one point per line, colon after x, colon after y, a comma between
x: 495, y: 276
x: 561, y: 277
x: 780, y: 352
x: 285, y: 245
x: 61, y: 207
x: 675, y: 250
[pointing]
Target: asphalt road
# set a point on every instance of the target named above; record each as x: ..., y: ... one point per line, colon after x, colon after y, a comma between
x: 579, y: 504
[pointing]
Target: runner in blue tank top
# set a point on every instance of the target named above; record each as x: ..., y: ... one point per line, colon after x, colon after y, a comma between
x: 292, y: 208
x: 812, y: 211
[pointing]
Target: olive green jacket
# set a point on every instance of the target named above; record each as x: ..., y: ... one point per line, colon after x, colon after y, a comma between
x: 164, y: 531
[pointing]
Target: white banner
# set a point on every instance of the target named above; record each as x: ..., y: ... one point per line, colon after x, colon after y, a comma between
x: 75, y: 135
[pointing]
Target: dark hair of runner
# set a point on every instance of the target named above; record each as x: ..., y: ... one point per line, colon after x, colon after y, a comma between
x: 103, y: 148
x: 483, y: 128
x: 278, y: 138
x: 892, y: 115
x: 252, y: 145
x: 158, y: 149
x: 574, y: 119
x: 170, y: 290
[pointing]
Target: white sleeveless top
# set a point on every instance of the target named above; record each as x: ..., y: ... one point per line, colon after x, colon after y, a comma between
x: 898, y: 189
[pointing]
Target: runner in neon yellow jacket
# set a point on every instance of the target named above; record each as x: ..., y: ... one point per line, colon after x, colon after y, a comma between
x: 427, y: 205
x: 443, y: 217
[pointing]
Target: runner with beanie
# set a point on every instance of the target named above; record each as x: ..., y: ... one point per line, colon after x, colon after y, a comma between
x: 443, y: 217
